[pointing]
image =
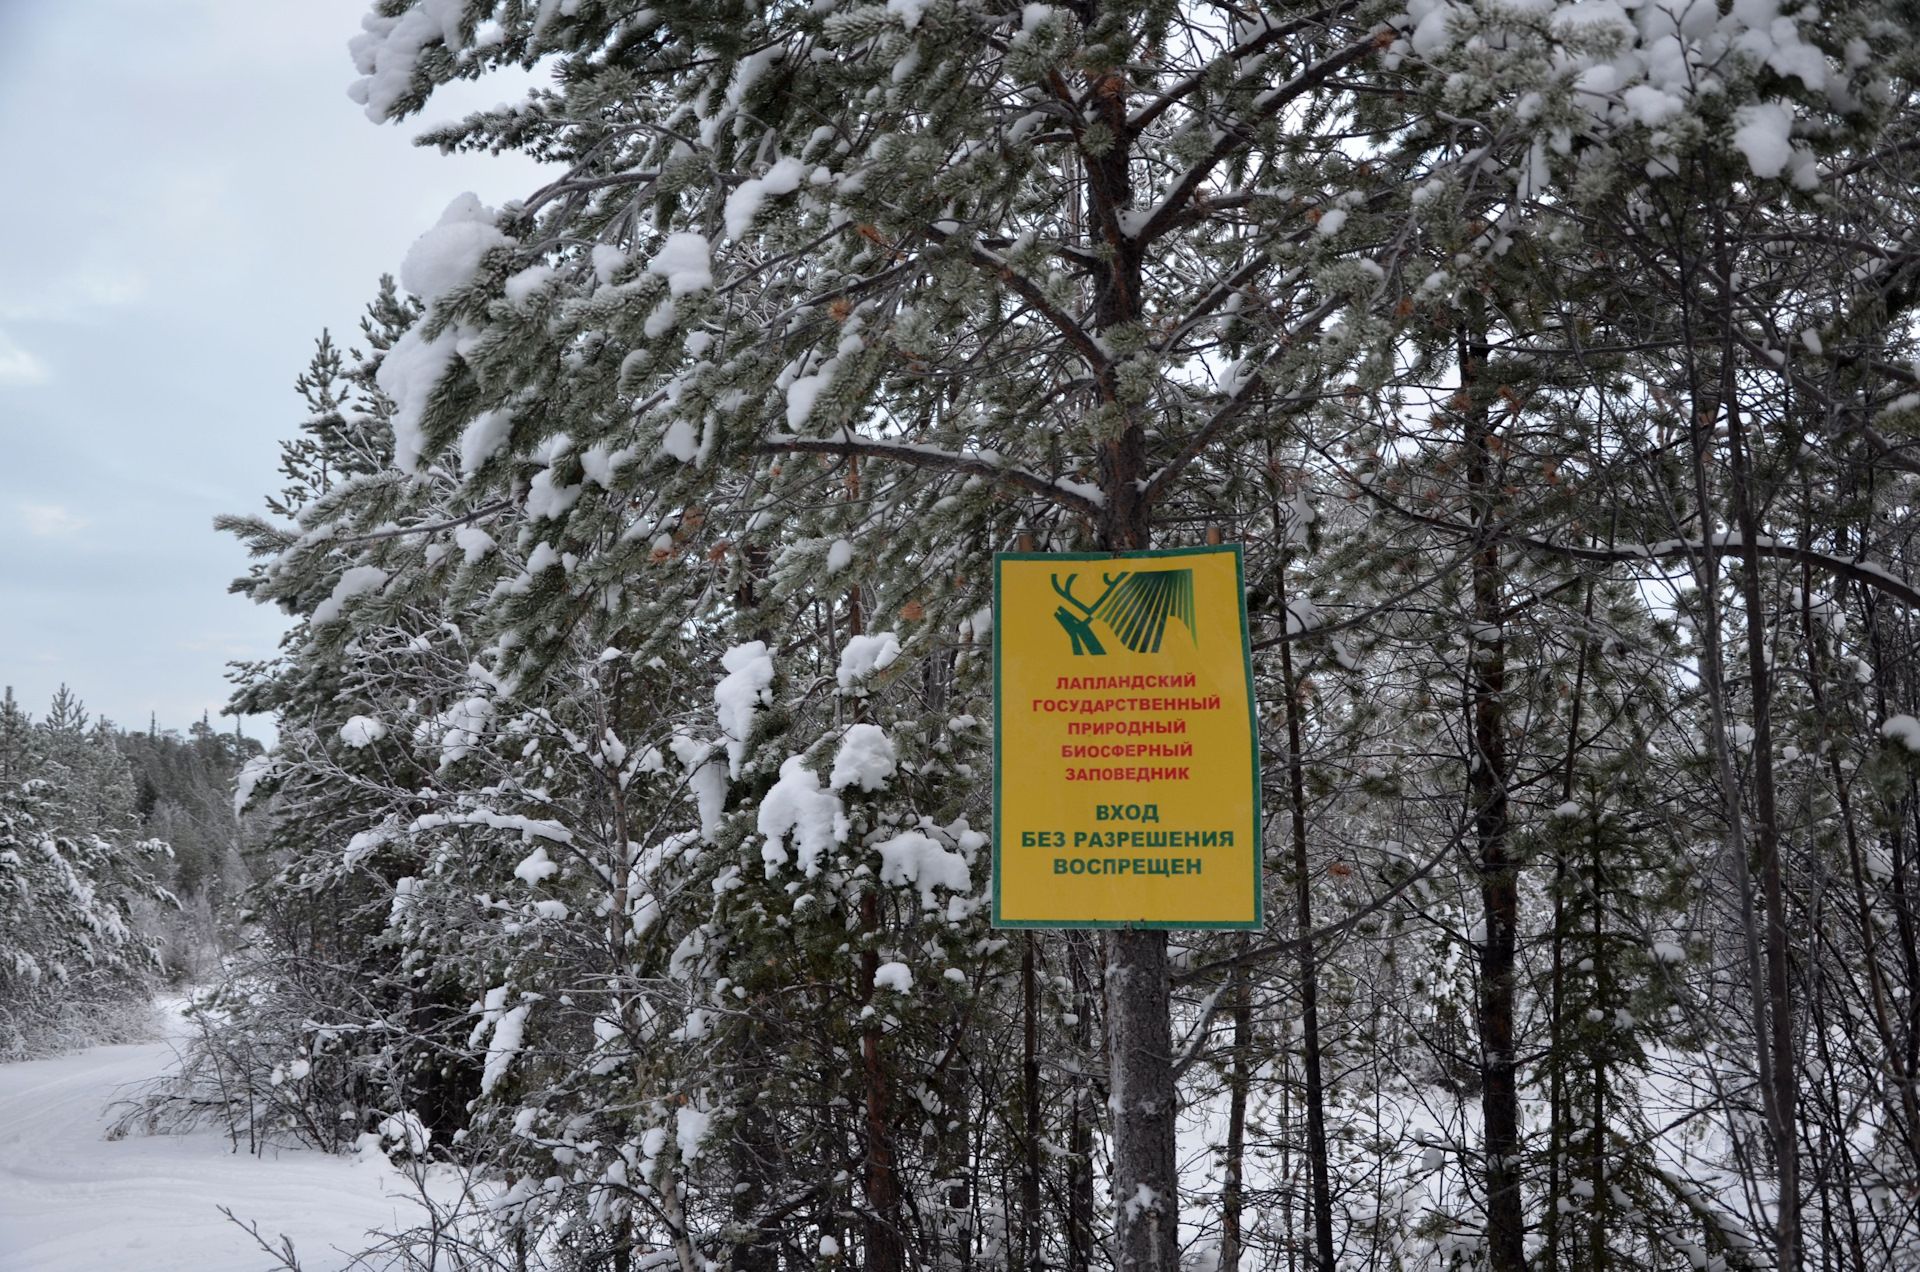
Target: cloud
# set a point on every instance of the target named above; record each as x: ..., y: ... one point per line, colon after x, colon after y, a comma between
x: 18, y: 367
x: 77, y: 295
x: 46, y: 521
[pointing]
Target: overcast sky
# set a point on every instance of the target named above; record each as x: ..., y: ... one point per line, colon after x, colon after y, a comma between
x: 190, y: 199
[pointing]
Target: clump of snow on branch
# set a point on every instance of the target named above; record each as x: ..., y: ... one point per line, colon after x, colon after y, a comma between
x: 608, y: 260
x: 805, y: 391
x: 458, y: 729
x: 862, y: 656
x: 740, y: 695
x: 915, y: 859
x: 797, y: 805
x: 473, y: 542
x: 356, y: 581
x: 448, y: 255
x: 535, y: 867
x: 546, y: 501
x: 507, y: 1026
x: 690, y: 1128
x: 745, y: 202
x: 908, y: 11
x: 444, y: 258
x: 256, y: 770
x: 483, y: 439
x: 406, y: 1132
x: 706, y: 780
x: 684, y: 261
x: 1763, y: 136
x: 406, y: 891
x: 409, y: 374
x: 388, y: 49
x: 361, y: 846
x: 865, y: 759
x: 1903, y: 729
x: 976, y: 627
x: 360, y: 731
x: 528, y: 282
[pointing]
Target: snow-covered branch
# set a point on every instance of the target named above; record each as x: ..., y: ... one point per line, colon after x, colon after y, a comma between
x: 1075, y: 496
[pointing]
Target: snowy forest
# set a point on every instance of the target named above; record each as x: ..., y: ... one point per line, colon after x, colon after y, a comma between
x: 122, y: 861
x: 620, y: 868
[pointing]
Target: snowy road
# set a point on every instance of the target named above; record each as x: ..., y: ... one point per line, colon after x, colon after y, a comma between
x: 70, y: 1201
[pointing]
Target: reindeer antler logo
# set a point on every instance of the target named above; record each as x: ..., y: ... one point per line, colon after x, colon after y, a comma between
x: 1135, y: 607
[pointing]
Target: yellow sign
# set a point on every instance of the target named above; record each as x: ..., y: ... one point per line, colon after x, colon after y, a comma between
x: 1126, y: 761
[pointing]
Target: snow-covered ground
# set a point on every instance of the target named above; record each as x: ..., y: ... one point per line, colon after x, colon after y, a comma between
x: 71, y: 1201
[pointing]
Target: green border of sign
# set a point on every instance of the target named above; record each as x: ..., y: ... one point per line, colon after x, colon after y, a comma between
x: 1253, y: 728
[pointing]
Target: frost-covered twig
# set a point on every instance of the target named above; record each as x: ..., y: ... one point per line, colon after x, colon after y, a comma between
x: 435, y: 528
x: 282, y: 1254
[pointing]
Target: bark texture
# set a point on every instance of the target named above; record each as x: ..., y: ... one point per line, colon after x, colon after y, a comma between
x: 1145, y: 1183
x: 1487, y: 801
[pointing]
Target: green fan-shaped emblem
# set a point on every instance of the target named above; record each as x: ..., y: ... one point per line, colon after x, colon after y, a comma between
x: 1135, y: 607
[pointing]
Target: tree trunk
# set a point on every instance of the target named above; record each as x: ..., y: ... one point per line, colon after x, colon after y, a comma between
x: 884, y: 1250
x: 1145, y: 1184
x: 1320, y: 1189
x: 1705, y: 413
x: 1556, y: 1095
x: 1080, y: 1133
x: 1499, y: 883
x: 1239, y: 1078
x: 1782, y: 1117
x: 670, y: 1209
x: 756, y: 1247
x: 1030, y: 1113
x: 1598, y: 1210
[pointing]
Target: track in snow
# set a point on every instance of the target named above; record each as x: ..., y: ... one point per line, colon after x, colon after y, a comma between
x: 71, y: 1201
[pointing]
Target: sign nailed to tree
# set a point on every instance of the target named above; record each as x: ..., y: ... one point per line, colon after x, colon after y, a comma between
x: 1126, y: 762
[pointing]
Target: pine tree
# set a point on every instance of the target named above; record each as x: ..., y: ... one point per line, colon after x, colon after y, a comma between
x: 76, y: 963
x: 632, y: 813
